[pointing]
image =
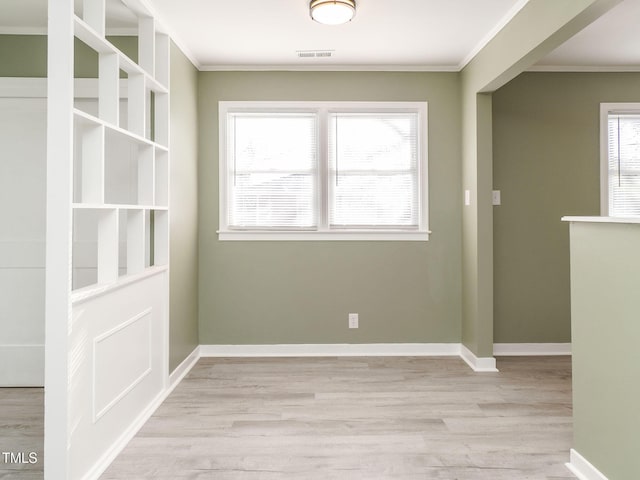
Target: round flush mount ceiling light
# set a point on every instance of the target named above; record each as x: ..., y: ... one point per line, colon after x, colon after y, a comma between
x: 332, y: 12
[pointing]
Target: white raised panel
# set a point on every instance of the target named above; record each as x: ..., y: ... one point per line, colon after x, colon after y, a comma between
x: 124, y: 331
x: 125, y: 349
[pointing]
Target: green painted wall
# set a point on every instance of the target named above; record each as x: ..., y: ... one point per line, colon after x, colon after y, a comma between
x: 546, y: 164
x: 301, y: 292
x: 26, y: 55
x: 23, y: 56
x: 538, y: 28
x: 184, y: 208
x: 605, y: 274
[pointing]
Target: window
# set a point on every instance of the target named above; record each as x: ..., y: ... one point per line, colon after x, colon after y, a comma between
x: 620, y: 164
x: 323, y: 171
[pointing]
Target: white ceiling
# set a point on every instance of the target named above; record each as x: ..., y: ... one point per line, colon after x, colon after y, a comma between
x: 611, y: 42
x: 385, y: 34
x: 439, y: 34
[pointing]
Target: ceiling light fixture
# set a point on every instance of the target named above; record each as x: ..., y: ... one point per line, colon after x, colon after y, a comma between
x: 332, y: 12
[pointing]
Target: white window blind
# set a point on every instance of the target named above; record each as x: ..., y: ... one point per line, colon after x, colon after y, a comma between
x: 623, y: 160
x: 323, y: 171
x: 272, y: 170
x: 373, y: 170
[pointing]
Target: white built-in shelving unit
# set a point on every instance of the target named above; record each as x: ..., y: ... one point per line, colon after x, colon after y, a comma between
x: 107, y: 243
x: 120, y: 174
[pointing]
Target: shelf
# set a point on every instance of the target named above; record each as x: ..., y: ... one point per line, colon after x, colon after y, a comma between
x: 89, y: 119
x: 100, y: 44
x: 115, y: 206
x: 92, y: 291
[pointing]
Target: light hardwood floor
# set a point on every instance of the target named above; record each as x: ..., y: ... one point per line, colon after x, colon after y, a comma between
x: 358, y: 418
x: 21, y: 432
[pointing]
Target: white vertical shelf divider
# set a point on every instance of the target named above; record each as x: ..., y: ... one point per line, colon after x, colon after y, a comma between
x: 137, y: 104
x: 93, y: 165
x: 162, y: 119
x: 147, y: 44
x: 94, y: 15
x: 161, y: 237
x: 147, y: 238
x: 59, y: 221
x: 135, y: 241
x: 108, y: 88
x: 108, y: 247
x: 161, y: 179
x: 162, y: 54
x: 146, y: 175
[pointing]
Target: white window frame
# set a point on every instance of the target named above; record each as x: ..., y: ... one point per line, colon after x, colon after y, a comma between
x: 607, y: 109
x: 323, y: 232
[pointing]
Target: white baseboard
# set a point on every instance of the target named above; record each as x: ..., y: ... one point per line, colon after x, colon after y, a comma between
x: 531, y: 349
x: 581, y: 468
x: 21, y: 365
x: 332, y: 350
x: 174, y: 379
x: 183, y: 369
x: 478, y: 364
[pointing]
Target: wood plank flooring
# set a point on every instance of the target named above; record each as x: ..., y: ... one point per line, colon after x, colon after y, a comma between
x: 358, y: 418
x: 21, y: 432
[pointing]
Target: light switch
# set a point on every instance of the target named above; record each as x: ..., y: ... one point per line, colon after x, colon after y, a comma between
x: 496, y: 197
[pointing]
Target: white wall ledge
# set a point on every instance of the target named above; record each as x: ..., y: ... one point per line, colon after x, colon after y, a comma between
x: 602, y: 219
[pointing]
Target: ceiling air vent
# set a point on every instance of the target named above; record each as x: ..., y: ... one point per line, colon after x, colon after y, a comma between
x: 314, y: 53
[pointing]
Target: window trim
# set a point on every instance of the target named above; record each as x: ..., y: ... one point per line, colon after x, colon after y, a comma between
x: 607, y: 109
x: 323, y: 232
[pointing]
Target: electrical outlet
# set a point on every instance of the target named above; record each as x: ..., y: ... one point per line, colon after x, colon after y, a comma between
x: 353, y: 320
x: 496, y: 197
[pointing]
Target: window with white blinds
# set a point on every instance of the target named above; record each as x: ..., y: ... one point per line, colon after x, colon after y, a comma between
x: 373, y: 170
x: 623, y: 164
x: 272, y: 170
x: 323, y: 171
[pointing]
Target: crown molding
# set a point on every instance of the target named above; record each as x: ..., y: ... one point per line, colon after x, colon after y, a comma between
x: 329, y: 68
x: 584, y: 68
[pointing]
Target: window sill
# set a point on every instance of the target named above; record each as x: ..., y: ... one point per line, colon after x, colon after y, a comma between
x: 357, y: 235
